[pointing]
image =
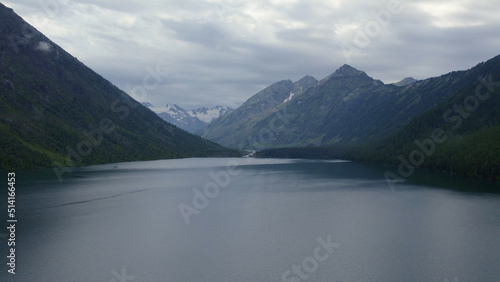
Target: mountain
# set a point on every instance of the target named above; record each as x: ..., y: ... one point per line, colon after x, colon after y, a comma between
x: 192, y: 121
x: 406, y: 81
x: 460, y: 135
x: 469, y: 123
x: 235, y: 123
x: 347, y: 106
x: 178, y: 117
x: 208, y: 115
x: 55, y: 111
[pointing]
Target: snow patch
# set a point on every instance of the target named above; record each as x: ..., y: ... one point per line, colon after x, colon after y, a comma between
x: 289, y: 98
x: 293, y: 94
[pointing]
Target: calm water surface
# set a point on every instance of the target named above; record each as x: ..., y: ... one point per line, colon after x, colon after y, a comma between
x: 264, y: 220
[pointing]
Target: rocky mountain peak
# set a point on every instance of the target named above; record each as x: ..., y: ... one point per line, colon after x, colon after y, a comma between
x: 347, y: 71
x: 305, y: 82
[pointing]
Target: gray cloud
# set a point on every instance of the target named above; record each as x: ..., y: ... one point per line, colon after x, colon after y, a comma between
x: 224, y: 51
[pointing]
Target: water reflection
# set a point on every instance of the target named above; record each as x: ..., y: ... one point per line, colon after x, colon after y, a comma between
x: 107, y: 218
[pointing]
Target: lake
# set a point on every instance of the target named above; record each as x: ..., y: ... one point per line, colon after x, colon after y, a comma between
x: 251, y: 220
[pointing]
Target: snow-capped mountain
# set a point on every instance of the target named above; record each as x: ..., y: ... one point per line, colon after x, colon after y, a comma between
x: 191, y: 121
x: 208, y: 115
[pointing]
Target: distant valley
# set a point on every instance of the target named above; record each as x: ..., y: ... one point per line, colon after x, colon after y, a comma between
x: 190, y: 120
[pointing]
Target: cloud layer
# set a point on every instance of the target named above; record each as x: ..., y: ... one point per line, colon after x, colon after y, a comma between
x: 221, y: 52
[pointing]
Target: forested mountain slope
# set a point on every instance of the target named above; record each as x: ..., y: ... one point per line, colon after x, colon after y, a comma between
x: 55, y: 111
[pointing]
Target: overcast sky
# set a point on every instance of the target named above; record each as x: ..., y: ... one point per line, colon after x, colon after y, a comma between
x: 221, y: 52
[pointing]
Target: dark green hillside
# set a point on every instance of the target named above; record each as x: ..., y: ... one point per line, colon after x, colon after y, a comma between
x: 466, y: 131
x: 471, y: 123
x: 54, y: 109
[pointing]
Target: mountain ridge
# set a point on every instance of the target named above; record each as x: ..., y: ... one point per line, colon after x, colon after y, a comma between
x: 193, y: 120
x: 344, y: 107
x: 460, y: 135
x: 207, y: 115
